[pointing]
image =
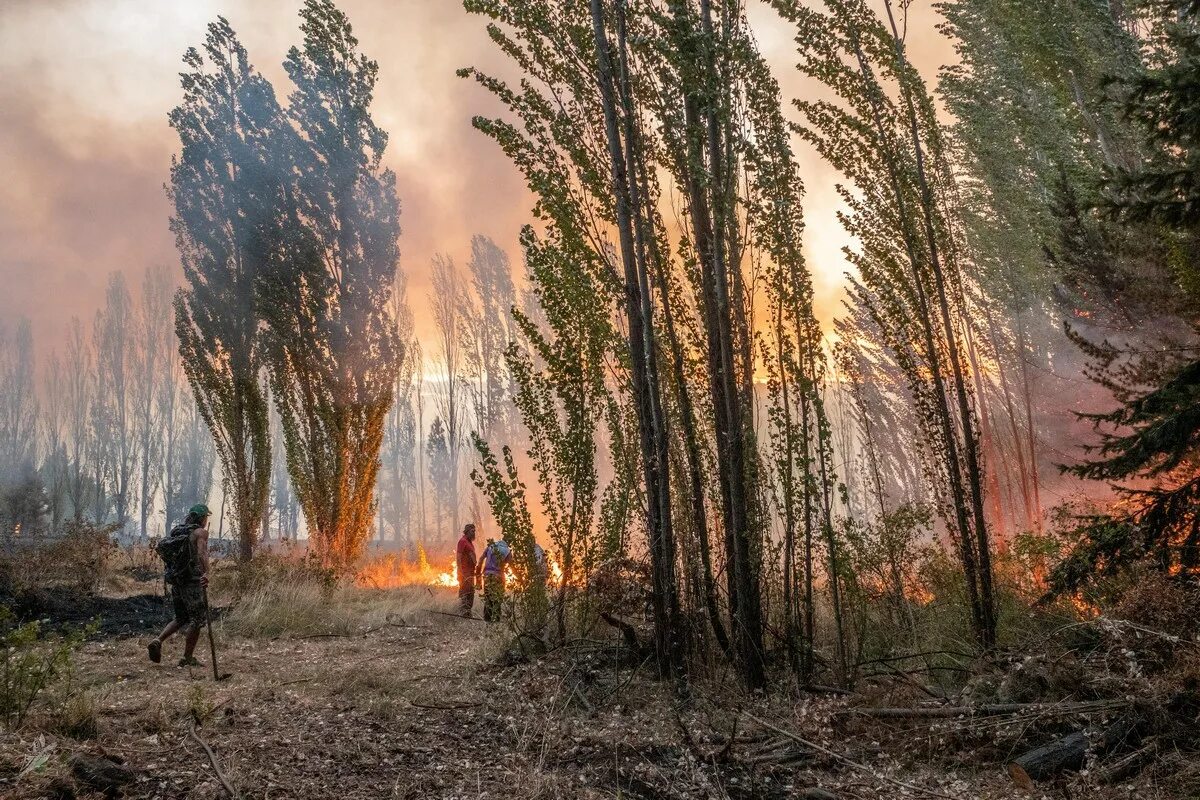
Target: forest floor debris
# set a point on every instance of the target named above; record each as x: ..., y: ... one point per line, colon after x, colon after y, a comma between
x: 416, y: 703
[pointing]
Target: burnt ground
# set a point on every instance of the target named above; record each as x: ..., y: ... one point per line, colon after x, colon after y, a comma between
x: 420, y: 707
x: 61, y: 607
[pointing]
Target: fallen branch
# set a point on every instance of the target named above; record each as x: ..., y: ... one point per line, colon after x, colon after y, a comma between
x: 363, y: 633
x: 925, y: 654
x: 850, y: 762
x: 216, y: 765
x: 820, y: 688
x: 456, y: 616
x: 940, y: 712
x: 451, y: 707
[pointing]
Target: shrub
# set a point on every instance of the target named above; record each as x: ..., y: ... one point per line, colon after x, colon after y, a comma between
x: 76, y: 716
x: 81, y: 559
x: 1162, y: 603
x: 30, y: 664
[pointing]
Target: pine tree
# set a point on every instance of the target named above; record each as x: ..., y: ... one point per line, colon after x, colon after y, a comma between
x: 1152, y: 439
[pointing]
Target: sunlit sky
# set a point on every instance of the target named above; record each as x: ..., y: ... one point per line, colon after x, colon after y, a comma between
x: 85, y: 87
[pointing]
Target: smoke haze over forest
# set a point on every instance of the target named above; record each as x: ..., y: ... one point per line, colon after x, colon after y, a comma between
x: 85, y: 146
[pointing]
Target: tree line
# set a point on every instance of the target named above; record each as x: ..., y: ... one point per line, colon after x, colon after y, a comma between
x: 292, y: 332
x: 1013, y: 260
x: 1019, y: 246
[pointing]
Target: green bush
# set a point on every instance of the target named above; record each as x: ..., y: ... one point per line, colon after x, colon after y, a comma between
x: 30, y: 664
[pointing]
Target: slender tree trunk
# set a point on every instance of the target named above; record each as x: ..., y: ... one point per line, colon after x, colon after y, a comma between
x: 965, y: 537
x: 987, y: 631
x: 1030, y: 430
x: 654, y: 465
x: 1014, y: 430
x: 789, y: 498
x: 691, y: 444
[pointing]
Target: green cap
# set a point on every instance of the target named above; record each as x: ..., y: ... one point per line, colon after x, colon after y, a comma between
x: 200, y: 510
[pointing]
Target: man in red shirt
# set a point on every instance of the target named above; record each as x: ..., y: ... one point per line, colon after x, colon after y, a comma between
x: 466, y: 570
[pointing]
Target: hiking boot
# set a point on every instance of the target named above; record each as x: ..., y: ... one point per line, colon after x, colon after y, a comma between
x: 189, y: 661
x: 155, y: 649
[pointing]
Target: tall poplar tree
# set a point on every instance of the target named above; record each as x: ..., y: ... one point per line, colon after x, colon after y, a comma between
x: 18, y: 401
x: 225, y: 191
x: 114, y: 334
x: 334, y: 346
x: 884, y: 135
x: 620, y: 97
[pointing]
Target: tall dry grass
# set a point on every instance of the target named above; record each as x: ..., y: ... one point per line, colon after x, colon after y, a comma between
x: 280, y: 597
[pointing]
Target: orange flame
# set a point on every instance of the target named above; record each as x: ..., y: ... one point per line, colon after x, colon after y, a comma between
x: 394, y: 570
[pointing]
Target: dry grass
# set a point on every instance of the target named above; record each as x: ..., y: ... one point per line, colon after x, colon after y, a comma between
x: 84, y: 559
x: 298, y: 608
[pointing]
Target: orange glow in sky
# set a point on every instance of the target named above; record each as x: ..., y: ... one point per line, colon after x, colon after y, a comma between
x: 85, y: 87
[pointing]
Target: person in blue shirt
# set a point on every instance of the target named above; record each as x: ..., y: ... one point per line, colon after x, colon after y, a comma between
x: 493, y: 563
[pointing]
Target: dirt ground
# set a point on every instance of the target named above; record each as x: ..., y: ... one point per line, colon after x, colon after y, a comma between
x: 425, y: 705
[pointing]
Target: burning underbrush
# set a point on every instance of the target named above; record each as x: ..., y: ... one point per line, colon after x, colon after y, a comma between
x: 393, y: 570
x: 396, y: 570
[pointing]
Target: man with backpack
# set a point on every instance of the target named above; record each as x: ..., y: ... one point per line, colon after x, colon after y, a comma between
x: 495, y: 559
x: 185, y: 556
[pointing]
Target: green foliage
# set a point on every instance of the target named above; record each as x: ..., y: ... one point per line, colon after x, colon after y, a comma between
x: 882, y: 132
x: 561, y: 396
x: 1164, y: 103
x: 1031, y: 112
x: 200, y: 706
x: 30, y: 664
x: 506, y: 496
x: 333, y: 343
x: 225, y: 194
x: 1156, y: 437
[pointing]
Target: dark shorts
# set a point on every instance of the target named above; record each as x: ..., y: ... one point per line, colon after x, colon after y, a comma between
x: 188, y: 602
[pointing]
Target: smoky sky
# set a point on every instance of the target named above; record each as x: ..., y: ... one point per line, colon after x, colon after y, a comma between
x: 85, y: 148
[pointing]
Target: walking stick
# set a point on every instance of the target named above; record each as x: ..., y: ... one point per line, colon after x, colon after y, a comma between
x: 212, y: 643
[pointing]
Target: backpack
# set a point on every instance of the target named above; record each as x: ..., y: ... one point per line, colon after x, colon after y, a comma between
x: 177, y: 554
x: 495, y: 556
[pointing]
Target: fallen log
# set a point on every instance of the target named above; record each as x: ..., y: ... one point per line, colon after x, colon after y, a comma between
x: 1069, y: 753
x: 1064, y: 755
